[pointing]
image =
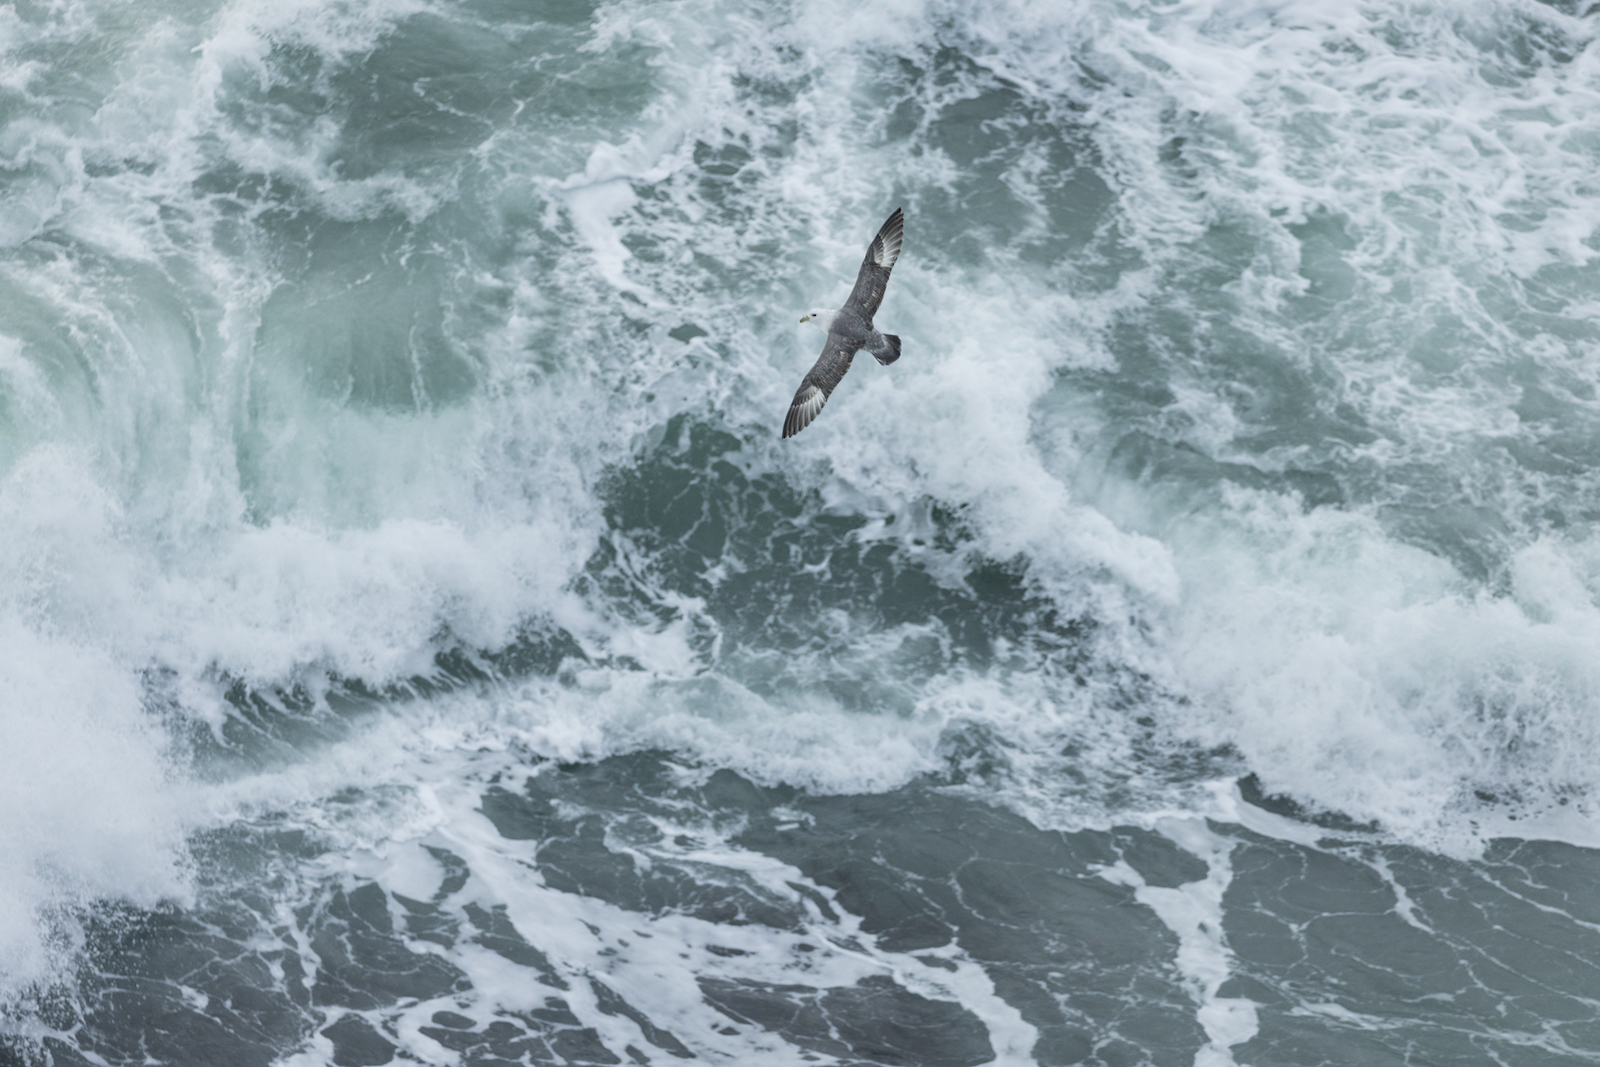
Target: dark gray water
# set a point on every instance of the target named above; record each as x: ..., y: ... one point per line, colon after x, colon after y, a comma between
x: 417, y: 644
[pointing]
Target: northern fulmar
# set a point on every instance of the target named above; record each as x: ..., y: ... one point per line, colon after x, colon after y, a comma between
x: 850, y: 328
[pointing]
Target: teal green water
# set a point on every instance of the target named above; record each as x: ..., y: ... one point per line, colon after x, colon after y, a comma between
x: 419, y: 643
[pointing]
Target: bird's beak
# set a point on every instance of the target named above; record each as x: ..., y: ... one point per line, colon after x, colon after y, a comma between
x: 806, y: 319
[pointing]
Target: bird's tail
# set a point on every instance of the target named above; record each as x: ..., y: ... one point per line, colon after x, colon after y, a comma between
x: 892, y: 353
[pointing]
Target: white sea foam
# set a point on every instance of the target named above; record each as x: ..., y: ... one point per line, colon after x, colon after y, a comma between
x: 1352, y: 667
x: 422, y: 777
x: 90, y: 810
x: 1193, y: 912
x: 1366, y: 675
x: 182, y: 491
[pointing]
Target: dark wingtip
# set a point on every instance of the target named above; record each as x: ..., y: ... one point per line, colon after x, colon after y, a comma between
x: 804, y: 409
x: 791, y: 422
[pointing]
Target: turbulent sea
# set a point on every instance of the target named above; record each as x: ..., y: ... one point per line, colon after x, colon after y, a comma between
x: 418, y: 646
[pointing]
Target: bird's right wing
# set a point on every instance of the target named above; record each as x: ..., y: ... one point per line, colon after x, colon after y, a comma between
x: 818, y: 384
x: 875, y: 267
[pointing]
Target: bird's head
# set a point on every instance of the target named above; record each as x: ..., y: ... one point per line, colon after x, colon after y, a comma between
x: 818, y: 317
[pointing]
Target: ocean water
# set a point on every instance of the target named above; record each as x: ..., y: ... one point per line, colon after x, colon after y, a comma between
x: 418, y: 646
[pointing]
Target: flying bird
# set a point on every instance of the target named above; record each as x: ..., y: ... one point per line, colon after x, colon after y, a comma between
x: 850, y: 328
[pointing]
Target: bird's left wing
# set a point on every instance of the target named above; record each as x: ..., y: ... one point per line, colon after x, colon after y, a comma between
x: 818, y: 384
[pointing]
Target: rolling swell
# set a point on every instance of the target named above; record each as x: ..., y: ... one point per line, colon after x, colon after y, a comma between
x: 418, y: 645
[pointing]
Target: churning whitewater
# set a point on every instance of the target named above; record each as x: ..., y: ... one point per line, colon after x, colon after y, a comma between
x: 419, y: 644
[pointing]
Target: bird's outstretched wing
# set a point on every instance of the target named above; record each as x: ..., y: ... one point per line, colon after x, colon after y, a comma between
x: 875, y: 268
x: 817, y: 385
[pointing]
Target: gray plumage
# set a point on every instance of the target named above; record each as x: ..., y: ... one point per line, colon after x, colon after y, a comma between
x: 850, y: 328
